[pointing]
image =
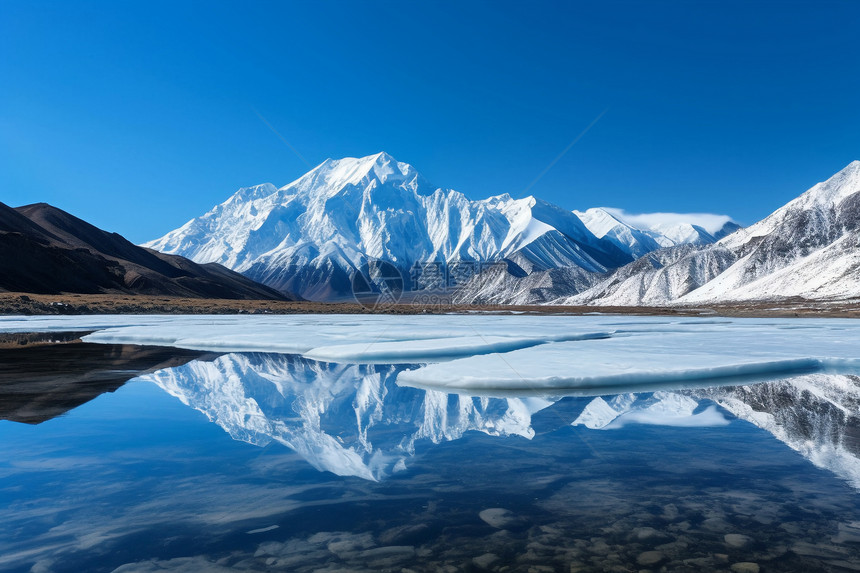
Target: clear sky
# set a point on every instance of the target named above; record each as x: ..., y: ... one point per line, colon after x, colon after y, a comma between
x: 138, y: 116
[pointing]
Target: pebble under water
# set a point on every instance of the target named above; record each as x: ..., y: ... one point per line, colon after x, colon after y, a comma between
x: 272, y: 462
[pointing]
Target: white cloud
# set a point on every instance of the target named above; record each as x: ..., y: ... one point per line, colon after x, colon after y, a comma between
x: 711, y: 222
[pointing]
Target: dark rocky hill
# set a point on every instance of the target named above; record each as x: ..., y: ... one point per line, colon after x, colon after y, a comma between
x: 46, y: 250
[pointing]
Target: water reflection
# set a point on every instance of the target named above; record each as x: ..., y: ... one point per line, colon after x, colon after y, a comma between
x: 138, y: 481
x: 43, y: 376
x: 353, y: 420
x: 816, y: 415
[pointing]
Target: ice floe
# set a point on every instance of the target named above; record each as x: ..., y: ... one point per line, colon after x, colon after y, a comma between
x: 503, y: 355
x: 650, y: 360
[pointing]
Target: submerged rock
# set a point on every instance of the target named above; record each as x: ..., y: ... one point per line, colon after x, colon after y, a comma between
x: 649, y: 558
x: 646, y: 533
x: 737, y: 540
x: 745, y: 567
x: 500, y: 518
x: 715, y: 524
x: 485, y: 560
x: 848, y: 533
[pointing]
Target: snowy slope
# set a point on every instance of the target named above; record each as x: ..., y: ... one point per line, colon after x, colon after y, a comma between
x: 641, y: 234
x: 308, y: 237
x: 498, y: 286
x: 652, y: 280
x: 655, y: 231
x: 635, y: 241
x: 657, y: 278
x: 806, y: 249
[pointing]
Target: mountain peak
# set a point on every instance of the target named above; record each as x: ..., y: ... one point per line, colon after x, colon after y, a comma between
x: 600, y: 221
x: 383, y: 157
x: 312, y: 234
x: 379, y: 158
x: 843, y: 184
x: 253, y: 192
x: 383, y: 166
x: 849, y: 172
x: 337, y: 174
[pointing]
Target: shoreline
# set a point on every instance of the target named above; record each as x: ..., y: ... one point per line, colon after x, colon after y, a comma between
x: 12, y: 303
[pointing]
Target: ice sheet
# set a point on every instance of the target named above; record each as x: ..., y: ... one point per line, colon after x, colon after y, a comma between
x: 301, y: 334
x: 503, y: 355
x: 649, y: 359
x: 436, y: 349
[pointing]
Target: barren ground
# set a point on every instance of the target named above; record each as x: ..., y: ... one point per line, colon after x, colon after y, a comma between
x: 25, y: 303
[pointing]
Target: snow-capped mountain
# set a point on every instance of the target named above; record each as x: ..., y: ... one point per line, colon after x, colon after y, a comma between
x: 656, y: 230
x: 807, y: 249
x: 635, y: 241
x: 658, y: 278
x: 308, y: 237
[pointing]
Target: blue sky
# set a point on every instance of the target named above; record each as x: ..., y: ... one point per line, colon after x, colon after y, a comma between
x: 138, y: 116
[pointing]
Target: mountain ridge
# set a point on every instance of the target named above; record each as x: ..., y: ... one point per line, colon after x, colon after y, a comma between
x: 311, y: 235
x: 46, y: 250
x: 806, y: 249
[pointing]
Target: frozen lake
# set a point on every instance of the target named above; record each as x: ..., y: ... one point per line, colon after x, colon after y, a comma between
x: 433, y: 443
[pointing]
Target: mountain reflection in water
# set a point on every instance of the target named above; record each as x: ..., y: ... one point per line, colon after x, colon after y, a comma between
x: 354, y: 420
x: 136, y: 480
x: 351, y: 420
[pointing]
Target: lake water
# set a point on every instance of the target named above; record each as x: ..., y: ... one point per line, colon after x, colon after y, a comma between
x: 276, y: 462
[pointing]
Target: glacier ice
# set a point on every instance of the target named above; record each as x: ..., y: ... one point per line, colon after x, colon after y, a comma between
x: 437, y: 349
x: 654, y: 356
